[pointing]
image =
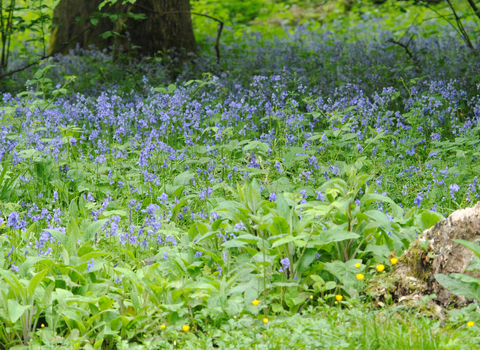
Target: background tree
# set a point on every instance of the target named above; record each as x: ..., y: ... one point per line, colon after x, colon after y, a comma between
x: 148, y: 26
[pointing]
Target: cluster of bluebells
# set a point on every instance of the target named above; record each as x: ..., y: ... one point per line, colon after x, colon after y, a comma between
x: 137, y: 129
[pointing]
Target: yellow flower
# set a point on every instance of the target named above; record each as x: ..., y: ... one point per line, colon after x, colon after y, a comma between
x: 360, y: 276
x: 186, y: 328
x: 380, y: 267
x: 339, y: 297
x: 357, y: 265
x: 393, y: 261
x: 255, y: 302
x: 265, y: 320
x: 163, y: 326
x: 470, y: 323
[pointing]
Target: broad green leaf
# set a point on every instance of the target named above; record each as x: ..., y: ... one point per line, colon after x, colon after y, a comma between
x: 183, y: 178
x: 345, y: 272
x: 372, y: 197
x: 59, y: 236
x: 15, y: 310
x: 92, y: 229
x: 330, y: 236
x: 428, y: 218
x: 378, y: 216
x: 460, y: 284
x: 307, y: 259
x: 284, y: 240
x: 279, y: 226
x: 35, y: 281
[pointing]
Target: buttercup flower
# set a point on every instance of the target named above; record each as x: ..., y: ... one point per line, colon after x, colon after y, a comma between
x: 255, y: 302
x: 360, y: 276
x: 470, y: 323
x: 339, y: 297
x: 393, y: 261
x: 265, y: 320
x: 186, y: 328
x: 357, y: 265
x: 380, y: 267
x: 163, y: 326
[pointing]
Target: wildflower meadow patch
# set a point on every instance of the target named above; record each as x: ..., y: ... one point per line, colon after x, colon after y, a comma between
x: 237, y: 206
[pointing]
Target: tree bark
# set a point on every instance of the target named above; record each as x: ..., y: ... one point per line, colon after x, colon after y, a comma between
x: 168, y: 26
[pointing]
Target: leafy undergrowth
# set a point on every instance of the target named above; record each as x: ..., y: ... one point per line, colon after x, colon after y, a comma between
x: 184, y: 215
x: 319, y: 328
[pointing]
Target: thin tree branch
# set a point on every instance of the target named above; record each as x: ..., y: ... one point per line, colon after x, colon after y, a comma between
x: 474, y: 8
x: 405, y: 46
x: 46, y: 56
x: 460, y: 26
x: 443, y: 17
x: 220, y: 24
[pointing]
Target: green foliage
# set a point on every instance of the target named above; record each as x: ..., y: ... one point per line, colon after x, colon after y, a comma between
x: 266, y: 241
x: 462, y: 284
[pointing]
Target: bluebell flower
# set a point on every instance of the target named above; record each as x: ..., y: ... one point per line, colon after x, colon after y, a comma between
x: 239, y: 226
x: 90, y: 265
x: 418, y: 199
x: 14, y: 220
x: 454, y: 188
x: 285, y: 263
x: 319, y: 196
x: 14, y: 268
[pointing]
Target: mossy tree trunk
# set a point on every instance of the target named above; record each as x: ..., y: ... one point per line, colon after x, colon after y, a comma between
x: 168, y: 25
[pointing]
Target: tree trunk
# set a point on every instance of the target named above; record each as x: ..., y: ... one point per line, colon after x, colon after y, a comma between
x: 434, y: 252
x: 168, y: 25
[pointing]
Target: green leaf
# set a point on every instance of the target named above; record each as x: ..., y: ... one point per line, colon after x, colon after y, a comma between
x: 183, y: 178
x: 234, y: 244
x: 59, y: 236
x: 279, y: 226
x: 428, y: 218
x: 345, y: 272
x: 330, y: 285
x: 73, y: 232
x: 15, y: 310
x: 471, y: 245
x: 460, y: 284
x: 284, y: 240
x: 331, y: 236
x: 282, y: 207
x: 378, y: 216
x: 372, y: 197
x: 35, y: 281
x: 306, y: 261
x: 92, y: 229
